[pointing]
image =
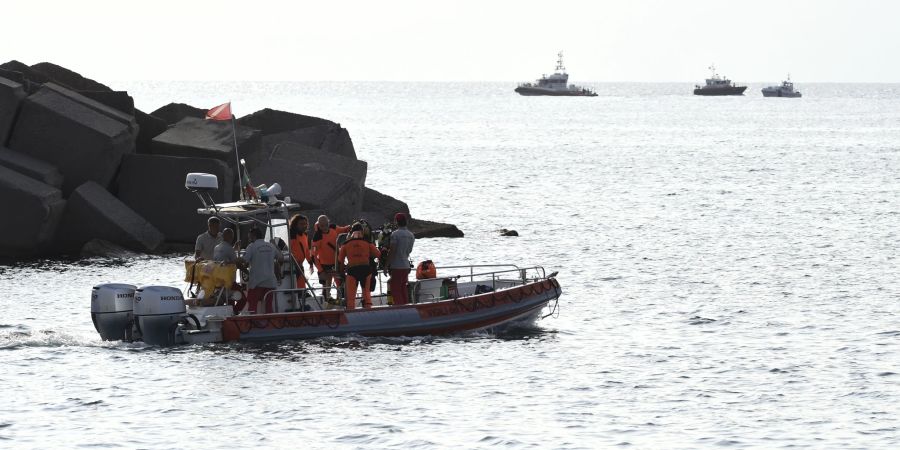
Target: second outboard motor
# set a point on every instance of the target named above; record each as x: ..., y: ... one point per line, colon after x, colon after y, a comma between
x: 111, y: 306
x: 157, y: 311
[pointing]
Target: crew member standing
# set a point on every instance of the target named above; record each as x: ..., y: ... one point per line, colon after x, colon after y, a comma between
x: 300, y: 247
x: 206, y: 242
x: 400, y: 247
x: 324, y: 247
x: 262, y: 257
x: 355, y: 253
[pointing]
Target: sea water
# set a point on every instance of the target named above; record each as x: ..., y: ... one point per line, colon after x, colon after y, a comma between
x: 729, y: 267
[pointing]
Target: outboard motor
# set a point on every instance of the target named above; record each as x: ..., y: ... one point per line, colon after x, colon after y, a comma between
x: 157, y: 312
x: 111, y: 306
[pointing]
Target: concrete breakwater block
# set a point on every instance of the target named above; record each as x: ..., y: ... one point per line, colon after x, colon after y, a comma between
x: 68, y: 78
x: 427, y: 229
x: 328, y: 138
x: 84, y: 139
x: 338, y: 141
x: 22, y: 73
x: 93, y: 213
x: 175, y: 112
x: 118, y: 100
x: 153, y: 186
x: 32, y: 167
x: 126, y: 118
x: 313, y: 188
x: 149, y: 127
x: 35, y: 211
x: 199, y: 138
x: 379, y: 208
x: 311, y: 137
x: 271, y: 121
x: 350, y: 167
x: 11, y: 96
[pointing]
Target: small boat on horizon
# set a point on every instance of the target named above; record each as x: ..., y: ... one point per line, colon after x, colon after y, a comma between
x: 555, y: 85
x: 716, y: 85
x: 785, y: 90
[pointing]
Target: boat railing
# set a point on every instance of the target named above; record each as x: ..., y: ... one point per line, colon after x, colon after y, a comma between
x: 522, y: 274
x: 299, y: 296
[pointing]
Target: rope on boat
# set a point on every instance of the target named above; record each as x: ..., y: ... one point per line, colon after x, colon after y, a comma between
x: 554, y: 310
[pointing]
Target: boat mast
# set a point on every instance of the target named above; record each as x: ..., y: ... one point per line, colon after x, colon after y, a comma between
x: 559, y: 63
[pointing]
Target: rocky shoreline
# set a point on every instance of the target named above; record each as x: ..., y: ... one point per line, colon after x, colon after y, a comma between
x: 79, y: 163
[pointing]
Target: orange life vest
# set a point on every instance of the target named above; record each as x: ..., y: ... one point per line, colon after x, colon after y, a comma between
x: 325, y: 243
x: 357, y: 252
x: 300, y: 248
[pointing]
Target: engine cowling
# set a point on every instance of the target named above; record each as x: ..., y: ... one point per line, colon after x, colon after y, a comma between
x: 111, y: 310
x: 157, y: 311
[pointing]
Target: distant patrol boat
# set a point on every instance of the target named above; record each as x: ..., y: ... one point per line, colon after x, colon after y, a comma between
x: 556, y: 84
x: 716, y: 85
x: 785, y: 90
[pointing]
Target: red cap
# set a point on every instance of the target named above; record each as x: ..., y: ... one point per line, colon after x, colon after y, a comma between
x: 399, y: 216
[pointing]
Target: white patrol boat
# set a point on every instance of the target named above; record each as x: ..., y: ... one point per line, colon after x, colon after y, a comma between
x: 458, y: 299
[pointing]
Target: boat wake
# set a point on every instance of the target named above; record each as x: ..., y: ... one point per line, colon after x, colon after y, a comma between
x: 13, y: 337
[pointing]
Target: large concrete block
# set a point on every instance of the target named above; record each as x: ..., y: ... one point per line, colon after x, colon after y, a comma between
x: 118, y: 100
x: 21, y: 73
x: 153, y: 186
x: 199, y: 138
x: 35, y: 208
x: 93, y: 213
x: 305, y: 154
x: 149, y: 127
x: 310, y: 136
x: 313, y: 188
x: 11, y: 96
x: 175, y: 112
x: 271, y: 121
x: 97, y: 106
x: 84, y: 139
x: 31, y: 167
x: 426, y: 229
x: 338, y: 141
x: 380, y: 208
x: 68, y: 78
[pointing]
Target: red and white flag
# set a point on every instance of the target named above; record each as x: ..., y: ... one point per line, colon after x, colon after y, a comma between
x: 221, y: 112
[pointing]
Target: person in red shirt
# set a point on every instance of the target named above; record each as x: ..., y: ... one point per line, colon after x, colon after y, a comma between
x: 354, y: 256
x: 324, y: 248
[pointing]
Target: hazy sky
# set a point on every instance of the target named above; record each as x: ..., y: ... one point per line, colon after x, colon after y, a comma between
x: 627, y: 40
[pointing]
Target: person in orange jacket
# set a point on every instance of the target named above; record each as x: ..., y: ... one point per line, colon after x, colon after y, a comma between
x: 354, y: 256
x: 299, y: 224
x: 324, y: 248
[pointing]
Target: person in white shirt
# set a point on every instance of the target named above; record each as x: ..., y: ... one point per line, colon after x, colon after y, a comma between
x: 401, y: 245
x: 264, y: 261
x: 226, y: 251
x: 206, y: 242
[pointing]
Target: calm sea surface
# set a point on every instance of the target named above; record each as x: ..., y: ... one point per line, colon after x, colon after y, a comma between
x: 729, y: 268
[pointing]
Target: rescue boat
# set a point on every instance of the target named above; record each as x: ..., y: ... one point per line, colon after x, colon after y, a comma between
x: 455, y: 299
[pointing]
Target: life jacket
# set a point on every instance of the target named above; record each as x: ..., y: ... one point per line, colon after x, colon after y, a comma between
x: 325, y: 243
x: 357, y: 252
x: 426, y: 270
x: 300, y: 248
